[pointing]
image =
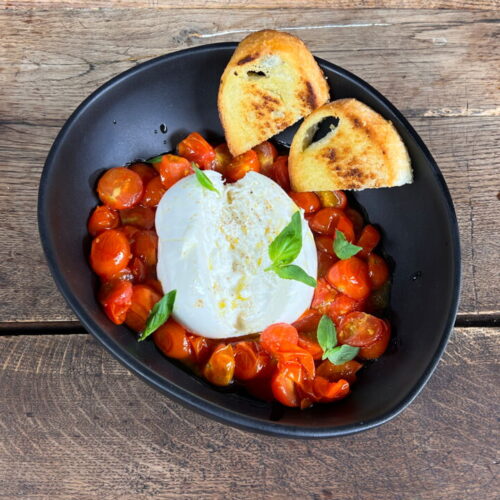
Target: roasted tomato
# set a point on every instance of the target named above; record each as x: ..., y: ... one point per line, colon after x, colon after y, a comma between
x: 173, y: 168
x: 143, y: 300
x: 324, y: 296
x: 359, y: 329
x: 200, y: 348
x: 283, y: 383
x: 325, y: 262
x: 251, y: 360
x: 120, y: 188
x: 357, y: 220
x: 195, y: 148
x: 368, y: 239
x: 172, y: 340
x: 334, y: 373
x: 146, y: 172
x: 280, y: 172
x: 145, y: 247
x: 153, y: 193
x: 138, y: 270
x: 378, y: 271
x: 308, y: 322
x: 327, y: 220
x: 110, y: 252
x: 140, y: 217
x: 219, y: 369
x: 343, y: 305
x: 325, y: 244
x: 222, y: 158
x: 378, y: 348
x: 103, y: 218
x: 334, y: 199
x: 274, y: 336
x: 241, y: 165
x: 326, y: 391
x: 267, y: 154
x: 350, y: 276
x: 309, y: 202
x: 116, y: 299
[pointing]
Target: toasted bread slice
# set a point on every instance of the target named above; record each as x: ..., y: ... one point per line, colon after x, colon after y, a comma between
x: 271, y: 81
x: 362, y: 151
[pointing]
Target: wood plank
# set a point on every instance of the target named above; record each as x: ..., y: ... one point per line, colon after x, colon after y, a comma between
x: 72, y: 420
x: 439, y: 68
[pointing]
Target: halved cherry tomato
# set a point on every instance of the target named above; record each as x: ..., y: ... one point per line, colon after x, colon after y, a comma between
x: 350, y: 276
x: 172, y: 340
x: 272, y: 338
x: 241, y: 165
x: 378, y: 348
x: 143, y: 300
x: 120, y: 188
x: 219, y: 369
x: 138, y: 269
x: 116, y: 299
x: 146, y: 172
x: 324, y: 244
x: 103, y: 218
x: 369, y: 239
x: 309, y: 202
x: 141, y: 217
x: 250, y: 360
x: 153, y: 192
x: 200, y: 348
x: 311, y: 346
x: 110, y: 252
x: 329, y: 391
x: 308, y: 322
x: 326, y: 220
x: 195, y: 148
x: 357, y: 220
x: 334, y: 373
x: 280, y: 172
x: 267, y: 154
x: 343, y: 305
x: 324, y: 296
x: 335, y: 199
x: 145, y: 246
x: 222, y: 158
x: 173, y: 168
x: 325, y: 262
x: 377, y: 270
x: 283, y: 384
x: 359, y: 329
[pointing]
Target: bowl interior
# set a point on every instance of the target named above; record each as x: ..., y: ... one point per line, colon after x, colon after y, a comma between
x: 126, y: 120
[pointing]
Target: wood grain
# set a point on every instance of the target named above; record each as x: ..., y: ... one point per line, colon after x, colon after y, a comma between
x: 439, y: 67
x: 73, y: 422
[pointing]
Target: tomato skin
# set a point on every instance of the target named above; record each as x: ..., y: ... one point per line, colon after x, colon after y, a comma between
x: 324, y: 244
x: 378, y: 348
x: 145, y: 171
x: 143, y: 300
x: 335, y: 199
x: 110, y: 252
x: 359, y: 329
x: 241, y: 165
x: 195, y: 148
x: 311, y: 346
x: 200, y: 348
x: 309, y: 202
x: 280, y: 172
x: 222, y: 158
x: 102, y: 219
x: 120, y: 188
x: 357, y: 220
x: 378, y: 271
x: 326, y: 391
x: 219, y: 369
x: 327, y: 220
x: 172, y: 340
x: 325, y: 262
x: 283, y: 385
x: 308, y: 322
x: 250, y: 361
x: 138, y: 270
x: 368, y: 239
x: 129, y: 232
x: 173, y: 168
x: 153, y: 192
x: 116, y: 299
x: 145, y: 246
x: 140, y: 217
x: 334, y: 373
x: 274, y: 336
x: 324, y: 296
x: 267, y: 153
x: 342, y: 305
x: 350, y: 276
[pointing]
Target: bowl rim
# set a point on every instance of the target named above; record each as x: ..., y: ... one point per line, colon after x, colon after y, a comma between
x: 179, y: 394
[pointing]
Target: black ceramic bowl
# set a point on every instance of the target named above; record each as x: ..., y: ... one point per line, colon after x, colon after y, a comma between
x: 125, y: 119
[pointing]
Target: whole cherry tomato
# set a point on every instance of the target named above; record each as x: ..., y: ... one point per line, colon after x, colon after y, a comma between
x: 377, y: 270
x: 325, y: 262
x: 116, y: 299
x: 283, y: 384
x: 103, y: 218
x: 325, y: 244
x: 272, y: 338
x: 280, y: 172
x: 195, y: 148
x: 143, y: 300
x: 110, y: 252
x: 153, y: 192
x: 334, y: 373
x: 368, y: 239
x: 219, y: 369
x: 309, y: 202
x: 327, y: 220
x: 145, y: 246
x: 359, y: 329
x: 334, y: 199
x: 267, y: 154
x: 200, y: 348
x: 120, y: 188
x: 250, y: 360
x: 350, y: 276
x: 330, y: 391
x: 172, y: 340
x: 378, y: 348
x: 241, y: 165
x: 222, y: 158
x: 141, y: 217
x: 173, y: 168
x: 146, y: 172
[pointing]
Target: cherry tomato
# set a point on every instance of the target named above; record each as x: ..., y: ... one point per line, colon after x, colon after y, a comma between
x: 309, y: 202
x: 379, y: 299
x: 124, y: 274
x: 145, y: 247
x: 324, y: 296
x: 280, y: 172
x: 146, y: 172
x: 153, y: 192
x: 200, y: 348
x: 154, y: 284
x: 260, y: 388
x: 359, y: 329
x: 143, y: 300
x: 325, y: 262
x: 141, y: 217
x: 292, y: 353
x: 369, y: 239
x: 343, y: 305
x: 311, y: 346
x: 138, y: 270
x: 267, y: 154
x: 195, y: 148
x: 272, y: 338
x: 326, y: 220
x: 329, y: 391
x: 110, y: 252
x: 308, y: 322
x: 334, y: 199
x: 120, y: 188
x: 283, y: 384
x: 103, y: 218
x: 250, y: 360
x: 173, y: 168
x: 378, y: 348
x: 325, y: 244
x: 357, y: 220
x: 222, y: 158
x: 377, y: 270
x: 350, y: 276
x: 240, y: 165
x: 172, y: 340
x: 219, y: 369
x: 116, y: 299
x: 129, y: 232
x: 334, y: 373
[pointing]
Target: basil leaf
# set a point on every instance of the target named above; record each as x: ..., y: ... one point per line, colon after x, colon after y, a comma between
x: 155, y: 159
x: 159, y: 314
x: 326, y: 334
x: 286, y: 246
x: 342, y: 248
x: 342, y: 354
x: 203, y: 179
x: 293, y: 272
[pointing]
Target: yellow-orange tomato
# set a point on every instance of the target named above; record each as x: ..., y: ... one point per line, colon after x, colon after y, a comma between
x: 172, y: 340
x: 143, y: 300
x: 219, y: 369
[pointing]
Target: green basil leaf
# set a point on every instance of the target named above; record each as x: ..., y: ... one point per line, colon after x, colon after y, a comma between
x: 326, y: 334
x: 156, y: 159
x: 342, y: 354
x: 203, y: 179
x: 342, y: 248
x: 286, y: 246
x: 293, y: 272
x: 159, y: 314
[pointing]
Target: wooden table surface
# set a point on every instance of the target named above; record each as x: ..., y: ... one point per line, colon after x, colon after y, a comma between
x: 74, y: 423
